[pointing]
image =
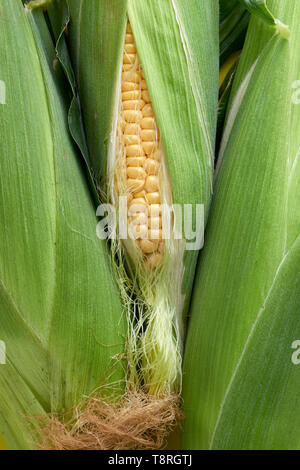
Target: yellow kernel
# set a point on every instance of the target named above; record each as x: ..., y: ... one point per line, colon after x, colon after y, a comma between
x: 133, y: 104
x: 146, y: 96
x: 135, y: 185
x: 136, y: 161
x: 128, y: 28
x: 144, y: 85
x: 130, y: 48
x: 151, y: 166
x: 136, y: 173
x: 141, y: 194
x: 129, y: 58
x: 153, y: 198
x: 134, y: 151
x: 148, y: 123
x: 152, y: 184
x: 131, y: 95
x: 129, y: 86
x: 131, y: 139
x: 149, y: 135
x: 127, y: 67
x: 148, y: 246
x: 129, y: 38
x: 149, y: 147
x: 148, y: 111
x: 131, y: 77
x: 131, y: 129
x: 132, y: 115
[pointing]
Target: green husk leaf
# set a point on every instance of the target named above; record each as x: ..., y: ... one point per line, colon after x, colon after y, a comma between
x: 224, y: 96
x: 64, y: 334
x: 162, y: 28
x: 189, y: 160
x: 3, y: 445
x: 35, y: 4
x: 271, y: 420
x: 59, y: 19
x: 248, y: 277
x: 260, y: 8
x: 95, y: 64
x: 234, y: 22
x: 226, y: 7
x: 258, y: 37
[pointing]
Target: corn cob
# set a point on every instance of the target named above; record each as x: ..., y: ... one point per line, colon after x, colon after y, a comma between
x: 141, y: 149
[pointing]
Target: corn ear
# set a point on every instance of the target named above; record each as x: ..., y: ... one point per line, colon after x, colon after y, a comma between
x: 241, y: 386
x: 64, y: 335
x: 177, y: 48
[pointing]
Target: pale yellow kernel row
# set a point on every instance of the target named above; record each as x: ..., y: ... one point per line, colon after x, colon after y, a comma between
x: 143, y: 157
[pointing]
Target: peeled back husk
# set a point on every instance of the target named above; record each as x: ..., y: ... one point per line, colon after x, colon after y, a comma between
x: 61, y: 316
